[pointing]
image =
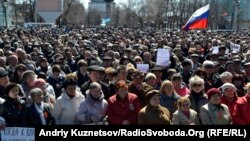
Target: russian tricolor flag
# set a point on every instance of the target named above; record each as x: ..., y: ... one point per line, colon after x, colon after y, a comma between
x: 199, y: 19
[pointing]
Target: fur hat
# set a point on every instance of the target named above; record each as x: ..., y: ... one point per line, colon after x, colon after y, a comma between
x: 228, y: 85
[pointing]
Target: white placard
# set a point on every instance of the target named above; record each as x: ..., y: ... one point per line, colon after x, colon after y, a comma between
x: 215, y: 50
x: 143, y: 67
x: 163, y: 57
x: 18, y: 133
x: 235, y: 48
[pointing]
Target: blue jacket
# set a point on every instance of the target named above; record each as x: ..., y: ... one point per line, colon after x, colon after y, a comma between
x: 169, y: 102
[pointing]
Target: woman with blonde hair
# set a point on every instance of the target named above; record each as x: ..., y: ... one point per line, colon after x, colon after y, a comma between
x: 184, y: 115
x: 197, y: 96
x: 168, y: 97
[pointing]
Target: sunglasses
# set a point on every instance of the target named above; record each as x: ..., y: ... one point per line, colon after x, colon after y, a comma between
x: 169, y: 86
x: 197, y: 85
x: 209, y: 67
x: 185, y: 105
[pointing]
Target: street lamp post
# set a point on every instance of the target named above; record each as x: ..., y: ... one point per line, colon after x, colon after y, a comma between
x: 35, y: 10
x: 108, y: 8
x: 4, y: 4
x: 236, y: 9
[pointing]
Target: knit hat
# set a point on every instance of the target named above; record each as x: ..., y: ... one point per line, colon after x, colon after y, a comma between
x: 228, y: 85
x: 152, y: 93
x: 3, y: 73
x: 212, y: 92
x: 38, y: 82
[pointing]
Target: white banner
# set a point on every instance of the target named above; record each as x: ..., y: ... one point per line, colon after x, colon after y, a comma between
x: 18, y: 134
x: 143, y: 67
x: 163, y: 57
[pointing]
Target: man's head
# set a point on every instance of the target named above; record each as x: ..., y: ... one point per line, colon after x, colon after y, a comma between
x: 94, y: 73
x: 4, y: 79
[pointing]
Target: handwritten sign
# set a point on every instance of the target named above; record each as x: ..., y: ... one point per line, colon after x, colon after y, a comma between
x: 163, y: 57
x: 143, y: 67
x: 18, y: 133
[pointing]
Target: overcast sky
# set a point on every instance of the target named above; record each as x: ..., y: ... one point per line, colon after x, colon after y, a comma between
x: 85, y: 2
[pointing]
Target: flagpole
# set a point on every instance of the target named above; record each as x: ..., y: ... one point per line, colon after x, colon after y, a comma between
x: 208, y: 15
x: 236, y: 8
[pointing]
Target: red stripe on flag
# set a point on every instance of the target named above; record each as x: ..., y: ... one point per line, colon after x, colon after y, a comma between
x: 199, y: 24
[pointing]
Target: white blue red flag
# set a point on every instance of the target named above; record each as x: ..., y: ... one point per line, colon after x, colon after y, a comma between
x: 199, y: 19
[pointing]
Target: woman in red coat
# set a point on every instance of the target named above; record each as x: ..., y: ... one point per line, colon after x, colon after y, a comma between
x: 229, y: 96
x: 240, y: 113
x: 123, y: 107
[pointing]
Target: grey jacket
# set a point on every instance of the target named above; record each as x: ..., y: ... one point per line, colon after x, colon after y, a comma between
x: 179, y: 118
x: 209, y: 115
x: 90, y: 107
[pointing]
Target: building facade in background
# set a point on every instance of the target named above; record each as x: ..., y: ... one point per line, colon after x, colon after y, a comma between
x: 49, y: 10
x: 101, y: 7
x: 226, y: 11
x: 244, y: 14
x: 9, y: 12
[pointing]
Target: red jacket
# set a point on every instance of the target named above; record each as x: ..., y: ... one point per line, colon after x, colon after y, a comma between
x: 241, y: 114
x: 183, y: 91
x: 230, y: 104
x: 120, y: 110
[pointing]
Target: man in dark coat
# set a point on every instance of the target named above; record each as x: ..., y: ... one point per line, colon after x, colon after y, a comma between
x: 39, y: 113
x: 94, y: 76
x: 4, y: 80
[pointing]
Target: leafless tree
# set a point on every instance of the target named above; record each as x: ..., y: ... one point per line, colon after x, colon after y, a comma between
x: 75, y: 15
x: 116, y: 16
x: 94, y: 17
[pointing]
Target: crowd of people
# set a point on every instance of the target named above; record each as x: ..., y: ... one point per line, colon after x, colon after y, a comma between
x: 89, y: 75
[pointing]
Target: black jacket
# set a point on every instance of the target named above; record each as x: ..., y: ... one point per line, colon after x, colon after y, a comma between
x: 34, y: 117
x: 2, y: 92
x: 14, y: 112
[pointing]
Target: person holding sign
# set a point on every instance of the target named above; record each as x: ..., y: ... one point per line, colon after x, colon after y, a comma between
x: 147, y: 57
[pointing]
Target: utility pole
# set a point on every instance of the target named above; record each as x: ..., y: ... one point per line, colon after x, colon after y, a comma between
x: 4, y: 5
x: 236, y: 11
x: 35, y: 10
